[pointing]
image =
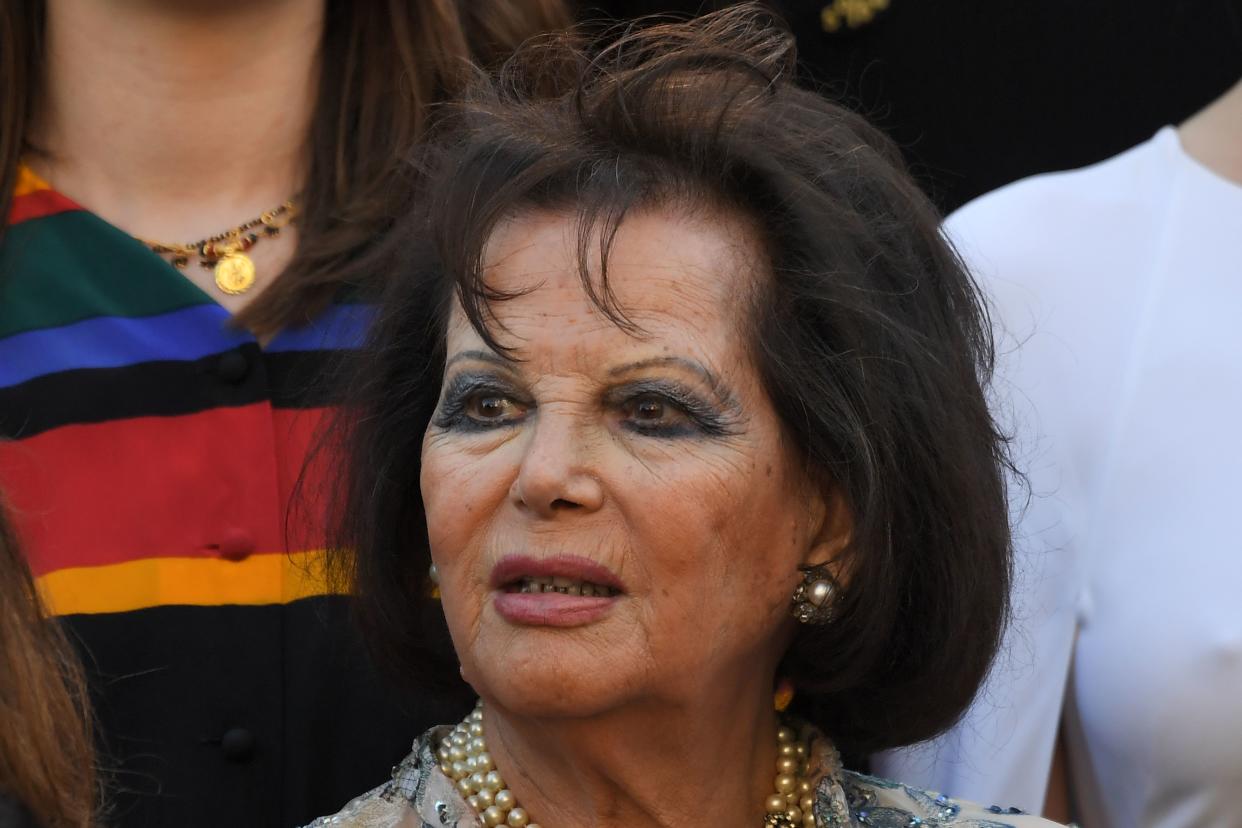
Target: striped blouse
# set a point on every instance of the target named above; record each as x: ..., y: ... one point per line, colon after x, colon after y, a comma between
x: 149, y: 453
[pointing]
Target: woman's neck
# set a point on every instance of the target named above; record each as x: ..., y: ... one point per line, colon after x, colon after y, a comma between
x: 175, y: 119
x: 1213, y: 136
x: 660, y: 765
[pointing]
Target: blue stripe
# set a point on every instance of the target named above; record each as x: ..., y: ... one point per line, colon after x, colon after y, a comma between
x: 187, y: 334
x: 116, y: 341
x: 340, y: 327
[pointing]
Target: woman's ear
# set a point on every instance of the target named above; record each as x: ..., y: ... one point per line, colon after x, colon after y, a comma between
x: 832, y: 528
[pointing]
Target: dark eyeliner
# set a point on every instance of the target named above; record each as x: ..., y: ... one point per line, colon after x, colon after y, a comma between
x: 704, y: 417
x: 451, y: 411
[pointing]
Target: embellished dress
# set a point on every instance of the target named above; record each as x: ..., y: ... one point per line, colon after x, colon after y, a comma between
x: 420, y: 795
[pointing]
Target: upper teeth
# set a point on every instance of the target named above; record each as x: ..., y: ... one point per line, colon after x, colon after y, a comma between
x: 565, y: 586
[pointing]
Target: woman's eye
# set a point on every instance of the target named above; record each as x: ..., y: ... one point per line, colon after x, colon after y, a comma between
x: 649, y: 411
x: 491, y: 408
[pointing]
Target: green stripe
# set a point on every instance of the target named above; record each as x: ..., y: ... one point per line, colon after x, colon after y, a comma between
x: 73, y: 266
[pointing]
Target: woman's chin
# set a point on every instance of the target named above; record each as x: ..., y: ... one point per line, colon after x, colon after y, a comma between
x: 554, y: 696
x: 548, y: 679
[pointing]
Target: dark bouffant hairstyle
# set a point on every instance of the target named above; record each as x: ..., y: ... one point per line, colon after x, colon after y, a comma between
x: 870, y: 336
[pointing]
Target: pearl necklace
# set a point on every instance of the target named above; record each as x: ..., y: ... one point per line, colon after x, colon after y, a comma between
x: 464, y: 758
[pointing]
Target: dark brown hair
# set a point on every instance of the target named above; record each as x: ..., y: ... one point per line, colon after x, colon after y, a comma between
x: 869, y: 334
x: 46, y: 758
x: 382, y: 64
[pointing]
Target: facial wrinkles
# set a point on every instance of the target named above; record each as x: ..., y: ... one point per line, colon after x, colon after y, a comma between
x: 689, y: 524
x: 569, y: 426
x: 714, y: 487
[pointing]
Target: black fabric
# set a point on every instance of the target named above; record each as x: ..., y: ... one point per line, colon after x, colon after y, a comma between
x: 256, y: 671
x: 13, y: 814
x: 241, y: 376
x: 980, y: 93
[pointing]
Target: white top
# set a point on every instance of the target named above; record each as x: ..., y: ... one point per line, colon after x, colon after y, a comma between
x: 1118, y: 289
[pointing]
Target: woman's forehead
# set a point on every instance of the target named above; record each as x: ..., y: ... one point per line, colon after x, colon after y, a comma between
x: 662, y: 262
x: 678, y: 280
x: 543, y: 334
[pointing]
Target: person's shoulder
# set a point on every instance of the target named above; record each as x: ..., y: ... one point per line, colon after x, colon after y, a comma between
x: 1059, y: 248
x: 1056, y: 230
x: 875, y: 801
x: 389, y: 805
x: 1129, y: 180
x: 375, y: 809
x: 416, y: 794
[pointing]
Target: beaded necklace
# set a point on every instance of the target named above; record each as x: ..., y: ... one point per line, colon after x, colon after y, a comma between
x: 465, y: 759
x: 225, y: 253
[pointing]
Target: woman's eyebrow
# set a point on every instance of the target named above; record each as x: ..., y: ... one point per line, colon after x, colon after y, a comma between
x: 711, y: 379
x: 478, y: 356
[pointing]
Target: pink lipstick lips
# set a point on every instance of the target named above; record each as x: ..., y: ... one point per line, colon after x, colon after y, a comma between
x: 561, y: 591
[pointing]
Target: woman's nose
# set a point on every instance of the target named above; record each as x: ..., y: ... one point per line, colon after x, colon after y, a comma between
x: 556, y: 475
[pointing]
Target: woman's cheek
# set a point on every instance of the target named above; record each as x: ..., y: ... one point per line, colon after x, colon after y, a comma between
x: 451, y: 495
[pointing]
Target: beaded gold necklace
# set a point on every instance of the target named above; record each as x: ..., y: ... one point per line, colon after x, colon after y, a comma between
x: 226, y: 252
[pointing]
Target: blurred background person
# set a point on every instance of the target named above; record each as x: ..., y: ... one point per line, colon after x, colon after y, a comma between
x: 185, y: 185
x: 979, y: 94
x: 47, y: 764
x: 1116, y: 291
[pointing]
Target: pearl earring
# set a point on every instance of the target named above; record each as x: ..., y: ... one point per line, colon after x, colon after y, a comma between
x: 813, y: 599
x: 433, y: 574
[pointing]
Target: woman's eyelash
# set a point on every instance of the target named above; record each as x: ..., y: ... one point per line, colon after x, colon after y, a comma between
x: 461, y: 388
x: 706, y: 417
x: 702, y: 416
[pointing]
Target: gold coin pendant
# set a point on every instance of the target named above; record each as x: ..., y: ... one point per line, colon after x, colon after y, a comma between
x: 235, y: 273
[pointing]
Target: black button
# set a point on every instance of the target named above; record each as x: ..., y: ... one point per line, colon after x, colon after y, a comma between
x: 233, y: 367
x: 237, y: 744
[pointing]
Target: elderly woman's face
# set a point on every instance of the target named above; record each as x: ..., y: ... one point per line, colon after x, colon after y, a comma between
x: 615, y: 516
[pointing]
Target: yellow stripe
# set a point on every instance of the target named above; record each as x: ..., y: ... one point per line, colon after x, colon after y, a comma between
x: 152, y: 582
x: 28, y: 182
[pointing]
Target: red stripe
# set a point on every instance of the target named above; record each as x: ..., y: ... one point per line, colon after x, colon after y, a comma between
x: 106, y: 493
x: 306, y: 477
x: 38, y: 204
